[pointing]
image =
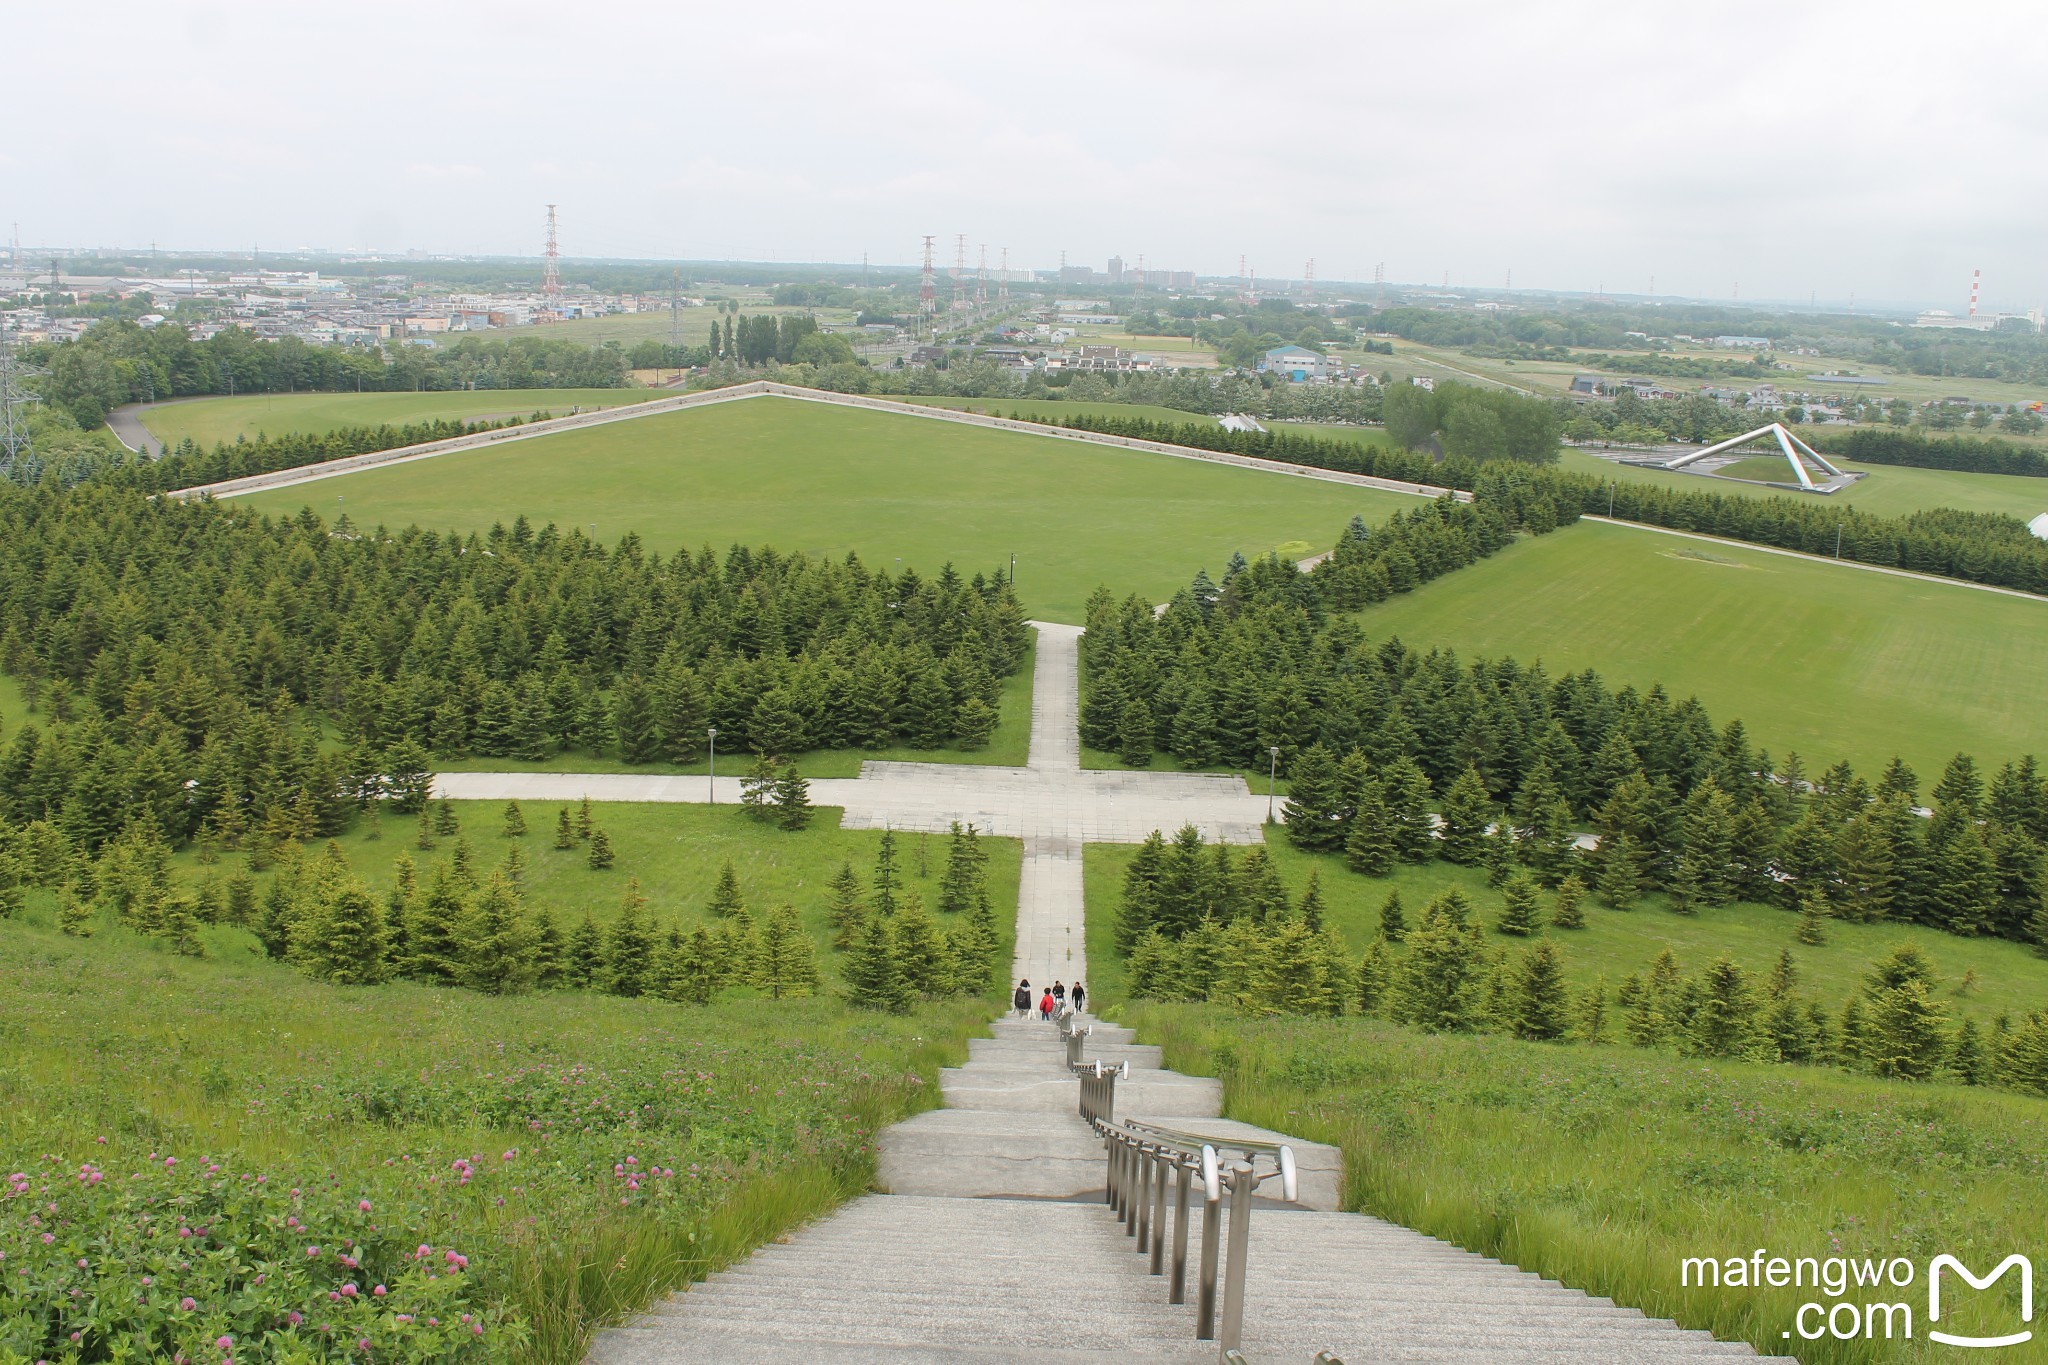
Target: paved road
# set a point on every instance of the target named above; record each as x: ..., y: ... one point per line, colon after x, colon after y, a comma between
x: 126, y: 424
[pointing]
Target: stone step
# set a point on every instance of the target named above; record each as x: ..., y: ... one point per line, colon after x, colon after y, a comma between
x: 1156, y: 1092
x: 978, y: 1153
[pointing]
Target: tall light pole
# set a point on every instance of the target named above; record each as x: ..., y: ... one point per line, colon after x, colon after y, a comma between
x: 714, y: 764
x: 1272, y: 778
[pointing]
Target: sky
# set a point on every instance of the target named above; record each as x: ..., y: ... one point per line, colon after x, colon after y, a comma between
x: 1877, y: 151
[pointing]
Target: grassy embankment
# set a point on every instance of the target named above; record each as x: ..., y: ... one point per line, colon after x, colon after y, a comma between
x: 210, y: 421
x: 827, y: 481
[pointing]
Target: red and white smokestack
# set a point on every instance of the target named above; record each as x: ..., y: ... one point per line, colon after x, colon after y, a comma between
x: 1973, y: 291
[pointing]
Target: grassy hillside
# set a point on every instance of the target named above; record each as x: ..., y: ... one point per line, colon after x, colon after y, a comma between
x: 581, y: 1153
x: 2009, y: 978
x: 212, y: 420
x: 802, y: 476
x: 1606, y: 1167
x: 1890, y: 491
x: 1834, y: 662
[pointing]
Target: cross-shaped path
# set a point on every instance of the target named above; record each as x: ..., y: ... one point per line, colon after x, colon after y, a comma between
x: 1052, y: 804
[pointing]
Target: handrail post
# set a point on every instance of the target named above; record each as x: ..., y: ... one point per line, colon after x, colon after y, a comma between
x: 1177, y: 1288
x: 1241, y: 1184
x: 1120, y: 1176
x: 1158, y: 1266
x: 1135, y: 1227
x: 1205, y: 1285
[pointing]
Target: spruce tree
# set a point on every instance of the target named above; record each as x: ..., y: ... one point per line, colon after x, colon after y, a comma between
x: 434, y: 936
x: 585, y: 822
x: 1256, y: 889
x: 497, y: 942
x: 1591, y: 1024
x: 550, y: 953
x: 585, y: 967
x: 887, y: 882
x: 1570, y: 912
x: 963, y: 874
x: 1521, y: 911
x: 344, y: 938
x: 1724, y: 1022
x: 1393, y: 922
x: 1436, y: 985
x: 629, y: 946
x: 1138, y: 908
x: 1907, y: 1032
x: 785, y: 965
x: 1317, y: 807
x: 1375, y: 971
x: 515, y: 821
x: 1499, y: 855
x: 1294, y: 973
x: 565, y: 832
x: 792, y: 798
x: 445, y: 823
x: 923, y: 959
x: 513, y: 869
x: 1369, y: 846
x: 984, y: 972
x: 75, y: 917
x: 1408, y: 799
x: 1784, y: 976
x: 1134, y: 734
x: 600, y: 856
x: 1813, y: 919
x: 1967, y: 1057
x: 844, y: 909
x: 1467, y: 811
x: 1618, y: 885
x: 874, y: 980
x: 1311, y: 908
x: 424, y: 839
x: 1540, y: 1005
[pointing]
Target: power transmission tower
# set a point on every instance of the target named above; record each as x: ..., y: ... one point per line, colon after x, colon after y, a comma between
x: 1003, y: 283
x: 981, y: 281
x: 675, y: 316
x: 18, y: 462
x: 959, y: 272
x: 551, y: 277
x: 927, y: 297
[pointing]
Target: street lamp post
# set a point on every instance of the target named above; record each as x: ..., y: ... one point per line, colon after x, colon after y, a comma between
x: 1272, y: 778
x: 714, y: 764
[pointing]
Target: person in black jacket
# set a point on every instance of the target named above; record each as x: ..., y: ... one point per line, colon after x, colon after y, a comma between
x: 1079, y: 998
x: 1022, y: 1000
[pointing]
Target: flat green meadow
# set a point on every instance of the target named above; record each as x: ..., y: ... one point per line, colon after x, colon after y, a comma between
x: 212, y: 420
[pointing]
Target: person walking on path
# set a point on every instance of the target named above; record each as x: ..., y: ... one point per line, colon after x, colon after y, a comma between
x: 1045, y: 1007
x: 1022, y: 999
x: 1079, y: 997
x: 1059, y: 996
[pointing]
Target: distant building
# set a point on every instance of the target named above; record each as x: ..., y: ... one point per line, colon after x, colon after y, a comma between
x: 1585, y: 385
x: 1422, y: 381
x: 1297, y: 364
x: 1239, y: 421
x: 1941, y: 317
x: 1743, y: 343
x: 1116, y: 270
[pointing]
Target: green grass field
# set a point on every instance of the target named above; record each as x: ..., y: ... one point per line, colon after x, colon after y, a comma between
x: 821, y: 480
x: 2010, y: 978
x: 1604, y: 1167
x: 210, y: 421
x: 1835, y: 662
x: 1053, y: 410
x: 160, y: 1070
x: 1889, y: 491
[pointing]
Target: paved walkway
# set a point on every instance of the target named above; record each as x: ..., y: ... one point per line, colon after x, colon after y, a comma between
x: 126, y: 424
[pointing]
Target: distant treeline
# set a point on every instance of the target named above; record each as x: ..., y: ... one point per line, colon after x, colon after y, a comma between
x: 1977, y: 547
x: 1968, y: 454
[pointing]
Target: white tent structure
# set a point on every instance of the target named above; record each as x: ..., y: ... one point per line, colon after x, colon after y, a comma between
x: 2039, y: 526
x: 1787, y: 442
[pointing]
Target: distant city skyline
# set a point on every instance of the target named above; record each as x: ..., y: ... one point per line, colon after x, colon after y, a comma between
x: 1754, y: 154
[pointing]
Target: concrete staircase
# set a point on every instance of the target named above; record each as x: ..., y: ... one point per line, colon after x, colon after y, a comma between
x: 992, y: 1243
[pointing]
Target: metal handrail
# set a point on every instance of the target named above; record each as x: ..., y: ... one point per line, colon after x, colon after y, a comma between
x: 1143, y: 1160
x: 1075, y: 1038
x: 1098, y: 1088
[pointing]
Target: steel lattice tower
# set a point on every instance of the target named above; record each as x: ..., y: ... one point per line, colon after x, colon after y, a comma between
x: 1003, y: 283
x: 17, y: 450
x: 551, y: 277
x: 959, y: 271
x: 927, y: 296
x: 981, y: 281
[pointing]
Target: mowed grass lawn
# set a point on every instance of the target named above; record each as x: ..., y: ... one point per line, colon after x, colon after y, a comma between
x: 1835, y: 662
x: 1889, y: 491
x: 210, y: 421
x: 823, y: 480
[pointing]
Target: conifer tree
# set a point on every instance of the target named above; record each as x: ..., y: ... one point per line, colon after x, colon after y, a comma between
x: 1905, y: 1031
x: 844, y: 909
x: 1393, y: 921
x: 1369, y: 846
x: 1967, y: 1056
x: 974, y: 723
x: 585, y: 822
x: 1499, y: 854
x: 344, y: 938
x: 629, y: 946
x: 1852, y: 1031
x: 1618, y: 884
x: 1540, y: 1005
x: 497, y: 942
x: 424, y: 840
x: 726, y: 900
x: 873, y: 978
x: 694, y: 972
x: 984, y: 970
x: 963, y: 876
x: 1784, y: 976
x: 565, y: 832
x: 550, y: 953
x: 1521, y: 910
x: 923, y: 960
x: 1311, y: 909
x: 1437, y: 982
x: 1787, y: 1028
x: 1684, y: 888
x: 1138, y: 909
x: 1591, y: 1024
x: 1408, y: 799
x: 445, y: 823
x: 1570, y: 912
x: 241, y: 896
x: 515, y: 821
x: 434, y: 936
x: 1134, y: 734
x: 1256, y: 889
x: 600, y: 856
x: 792, y: 798
x: 586, y: 955
x: 513, y: 869
x: 888, y: 882
x: 785, y: 965
x: 1724, y: 1020
x: 74, y: 915
x: 274, y: 922
x: 1318, y: 805
x: 1375, y: 971
x: 1467, y: 811
x: 757, y: 789
x: 1294, y: 972
x: 1813, y: 918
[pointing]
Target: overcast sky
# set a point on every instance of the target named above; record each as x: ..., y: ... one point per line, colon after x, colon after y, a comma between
x: 1879, y: 149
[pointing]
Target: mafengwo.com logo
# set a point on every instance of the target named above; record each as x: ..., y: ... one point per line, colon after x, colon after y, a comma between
x: 1864, y: 1299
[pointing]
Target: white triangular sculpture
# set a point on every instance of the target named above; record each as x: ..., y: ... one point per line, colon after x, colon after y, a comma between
x: 1786, y: 442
